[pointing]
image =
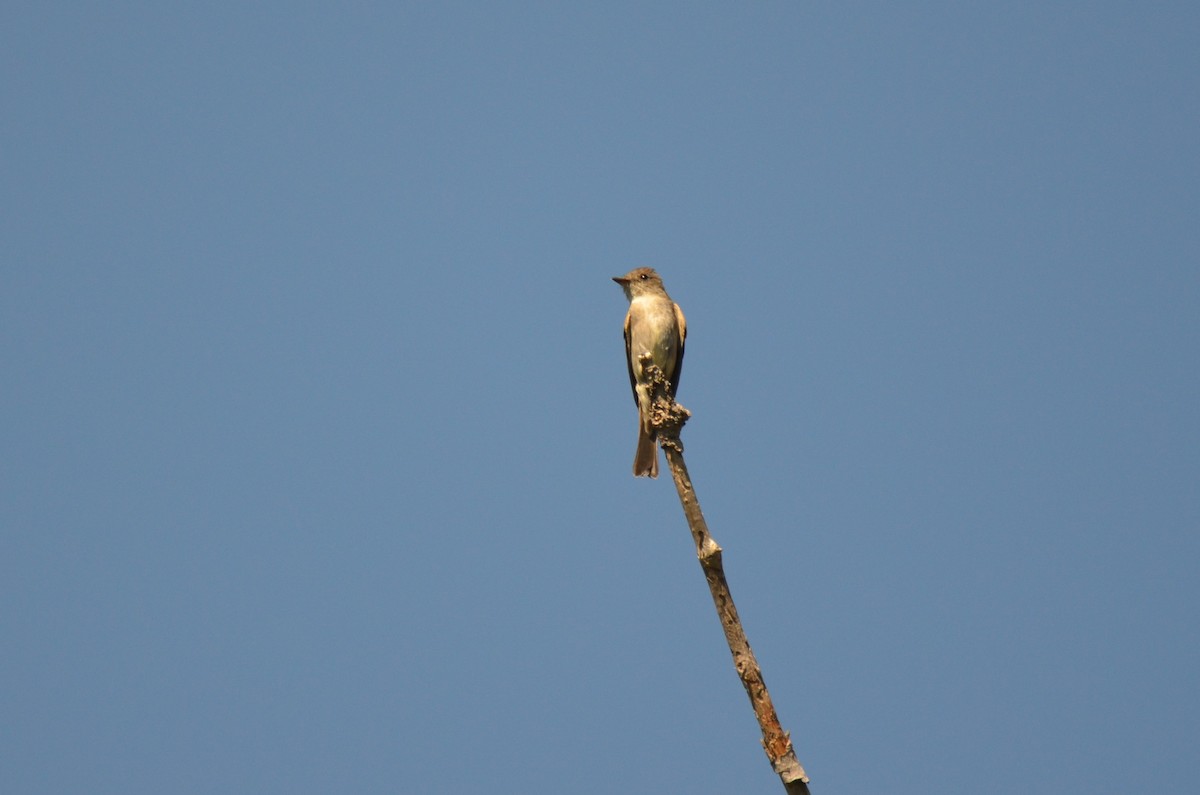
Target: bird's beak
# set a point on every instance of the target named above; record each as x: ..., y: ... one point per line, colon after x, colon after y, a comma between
x: 621, y: 280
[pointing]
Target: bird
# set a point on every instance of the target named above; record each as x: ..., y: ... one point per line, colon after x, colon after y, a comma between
x: 655, y: 325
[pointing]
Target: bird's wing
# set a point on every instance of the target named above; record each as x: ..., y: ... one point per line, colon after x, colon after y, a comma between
x: 682, y: 321
x: 629, y: 360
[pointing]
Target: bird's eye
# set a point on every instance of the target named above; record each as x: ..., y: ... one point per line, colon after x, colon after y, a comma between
x: 642, y: 277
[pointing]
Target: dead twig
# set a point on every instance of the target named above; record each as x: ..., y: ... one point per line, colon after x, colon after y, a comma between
x: 669, y: 417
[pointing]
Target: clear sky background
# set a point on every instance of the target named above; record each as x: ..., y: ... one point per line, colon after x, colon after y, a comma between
x: 317, y: 433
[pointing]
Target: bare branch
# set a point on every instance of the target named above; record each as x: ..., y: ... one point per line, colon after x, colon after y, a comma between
x: 669, y: 418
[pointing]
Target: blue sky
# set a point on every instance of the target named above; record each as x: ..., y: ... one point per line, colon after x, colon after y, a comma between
x: 317, y: 436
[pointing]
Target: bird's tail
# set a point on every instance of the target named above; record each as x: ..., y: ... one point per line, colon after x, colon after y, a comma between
x: 645, y: 460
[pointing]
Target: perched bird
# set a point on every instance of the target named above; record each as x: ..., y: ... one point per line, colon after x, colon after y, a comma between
x: 654, y: 325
